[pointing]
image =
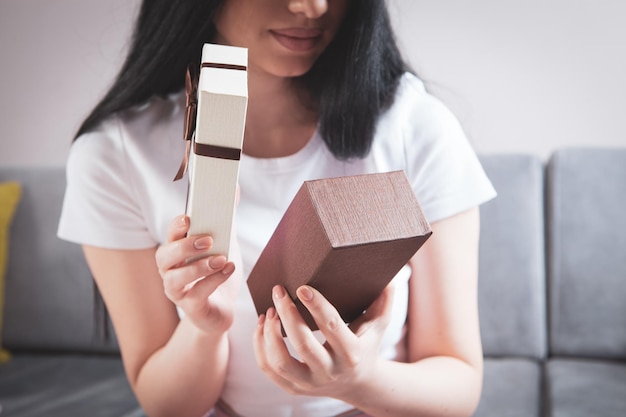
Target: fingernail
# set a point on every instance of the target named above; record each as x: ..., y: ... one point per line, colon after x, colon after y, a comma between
x: 305, y: 293
x: 261, y: 320
x: 228, y: 269
x: 182, y: 221
x: 203, y: 242
x: 271, y: 313
x: 279, y: 292
x: 216, y: 262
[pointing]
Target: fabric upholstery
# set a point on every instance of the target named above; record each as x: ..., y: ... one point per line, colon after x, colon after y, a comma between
x: 9, y: 199
x: 587, y: 246
x: 512, y: 274
x: 511, y: 388
x: 66, y: 386
x: 584, y: 388
x: 50, y: 306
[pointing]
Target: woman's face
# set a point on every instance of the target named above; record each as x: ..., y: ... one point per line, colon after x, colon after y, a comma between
x: 283, y: 37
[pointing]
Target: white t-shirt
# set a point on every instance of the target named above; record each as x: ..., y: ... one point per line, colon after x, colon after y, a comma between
x: 120, y: 194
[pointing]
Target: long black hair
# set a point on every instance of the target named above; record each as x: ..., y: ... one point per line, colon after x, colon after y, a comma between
x: 353, y: 81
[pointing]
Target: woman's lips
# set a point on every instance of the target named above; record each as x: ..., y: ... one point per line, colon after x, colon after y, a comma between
x: 297, y: 39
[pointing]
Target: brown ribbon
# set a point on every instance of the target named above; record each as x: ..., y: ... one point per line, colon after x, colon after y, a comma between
x: 223, y: 66
x: 221, y: 152
x: 191, y: 110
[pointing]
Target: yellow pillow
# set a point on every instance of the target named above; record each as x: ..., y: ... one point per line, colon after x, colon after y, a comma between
x: 9, y: 197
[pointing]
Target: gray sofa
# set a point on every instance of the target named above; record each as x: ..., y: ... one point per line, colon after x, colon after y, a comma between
x: 552, y: 297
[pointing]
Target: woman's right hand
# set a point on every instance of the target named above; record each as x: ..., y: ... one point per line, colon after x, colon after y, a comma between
x: 200, y: 285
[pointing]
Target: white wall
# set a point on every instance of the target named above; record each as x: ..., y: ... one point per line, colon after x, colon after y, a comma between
x: 56, y: 59
x: 524, y: 76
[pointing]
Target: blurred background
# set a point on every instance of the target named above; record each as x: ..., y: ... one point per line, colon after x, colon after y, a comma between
x: 522, y: 76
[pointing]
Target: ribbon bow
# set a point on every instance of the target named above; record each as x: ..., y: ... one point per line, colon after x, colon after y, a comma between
x: 191, y: 108
x: 191, y: 90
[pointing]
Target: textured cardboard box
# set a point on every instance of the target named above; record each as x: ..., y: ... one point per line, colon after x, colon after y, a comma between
x: 347, y: 237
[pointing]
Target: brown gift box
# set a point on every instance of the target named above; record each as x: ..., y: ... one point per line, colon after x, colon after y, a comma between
x: 347, y: 237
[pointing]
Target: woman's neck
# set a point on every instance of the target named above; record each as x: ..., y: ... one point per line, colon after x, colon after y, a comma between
x: 278, y: 122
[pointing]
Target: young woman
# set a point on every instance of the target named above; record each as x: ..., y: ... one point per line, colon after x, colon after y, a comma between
x: 329, y: 95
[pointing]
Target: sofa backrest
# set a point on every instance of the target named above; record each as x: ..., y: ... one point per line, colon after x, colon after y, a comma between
x: 587, y: 247
x: 512, y: 259
x: 49, y: 303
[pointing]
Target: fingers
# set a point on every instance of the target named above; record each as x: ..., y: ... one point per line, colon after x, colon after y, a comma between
x: 272, y: 355
x: 344, y: 340
x: 337, y: 333
x: 300, y: 336
x: 185, y: 266
x: 181, y: 248
x: 184, y: 251
x: 199, y: 277
x: 317, y: 368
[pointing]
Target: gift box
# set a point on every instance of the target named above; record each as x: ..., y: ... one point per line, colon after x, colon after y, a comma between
x: 347, y: 237
x: 214, y: 128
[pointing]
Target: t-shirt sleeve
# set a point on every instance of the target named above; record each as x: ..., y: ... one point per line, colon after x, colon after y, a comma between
x: 99, y: 206
x: 443, y: 167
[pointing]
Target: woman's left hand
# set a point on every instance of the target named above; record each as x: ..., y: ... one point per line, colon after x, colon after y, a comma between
x: 335, y: 368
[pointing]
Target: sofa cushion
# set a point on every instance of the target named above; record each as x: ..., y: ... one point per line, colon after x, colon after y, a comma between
x: 63, y: 385
x: 512, y: 388
x: 583, y: 388
x: 587, y: 246
x: 49, y: 290
x: 512, y: 273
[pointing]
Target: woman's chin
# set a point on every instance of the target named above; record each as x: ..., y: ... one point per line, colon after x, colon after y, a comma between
x: 290, y: 68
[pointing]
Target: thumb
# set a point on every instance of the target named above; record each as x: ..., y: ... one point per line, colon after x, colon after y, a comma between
x: 178, y: 227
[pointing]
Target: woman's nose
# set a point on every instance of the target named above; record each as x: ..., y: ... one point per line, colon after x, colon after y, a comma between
x: 310, y: 8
